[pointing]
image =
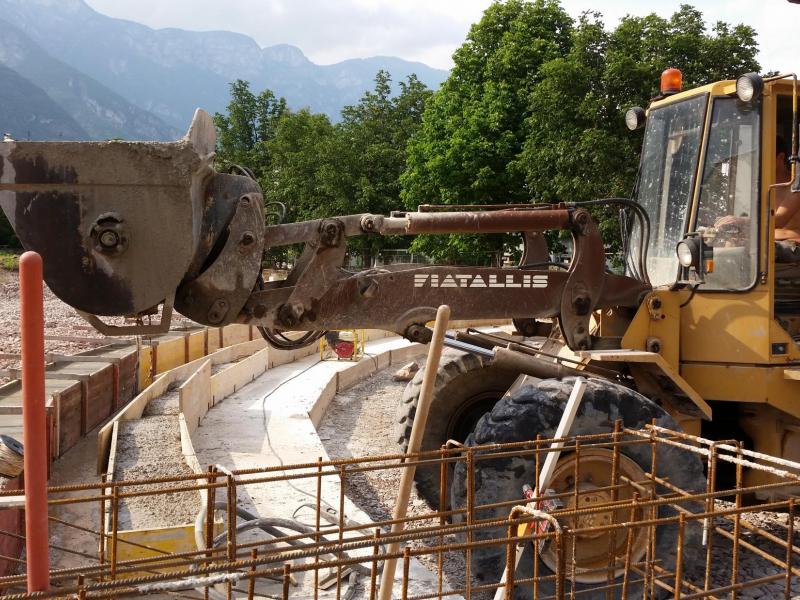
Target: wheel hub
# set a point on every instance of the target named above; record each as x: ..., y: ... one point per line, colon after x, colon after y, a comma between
x: 588, y: 512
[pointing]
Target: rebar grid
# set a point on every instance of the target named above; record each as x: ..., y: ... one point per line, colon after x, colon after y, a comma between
x: 618, y: 536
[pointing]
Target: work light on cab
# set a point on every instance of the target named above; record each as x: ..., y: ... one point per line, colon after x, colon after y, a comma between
x: 749, y: 87
x: 688, y: 253
x: 671, y: 81
x: 635, y: 118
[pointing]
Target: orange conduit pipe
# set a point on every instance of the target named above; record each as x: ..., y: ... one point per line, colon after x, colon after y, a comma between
x: 34, y: 432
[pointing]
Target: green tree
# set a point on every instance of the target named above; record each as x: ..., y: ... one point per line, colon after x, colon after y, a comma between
x: 577, y: 145
x: 552, y: 128
x: 321, y: 170
x: 473, y: 128
x: 249, y: 125
x: 372, y: 137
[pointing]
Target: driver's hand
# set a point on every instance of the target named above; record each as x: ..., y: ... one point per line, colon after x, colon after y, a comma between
x: 728, y: 220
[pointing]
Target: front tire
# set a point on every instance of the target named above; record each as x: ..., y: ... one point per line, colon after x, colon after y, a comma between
x: 537, y: 409
x: 466, y: 387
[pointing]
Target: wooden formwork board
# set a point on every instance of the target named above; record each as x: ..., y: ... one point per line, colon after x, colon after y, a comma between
x: 214, y: 341
x: 63, y: 397
x: 135, y: 408
x: 227, y: 381
x: 126, y: 361
x: 187, y: 448
x: 195, y: 396
x: 145, y: 376
x: 237, y: 334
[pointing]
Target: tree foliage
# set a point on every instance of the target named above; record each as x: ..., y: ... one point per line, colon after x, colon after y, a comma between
x: 319, y: 169
x: 532, y: 111
x: 561, y: 135
x: 244, y: 133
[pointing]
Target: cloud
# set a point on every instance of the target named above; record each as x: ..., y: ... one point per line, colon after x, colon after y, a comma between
x: 426, y: 30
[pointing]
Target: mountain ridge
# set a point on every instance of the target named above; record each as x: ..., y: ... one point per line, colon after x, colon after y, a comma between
x: 169, y: 72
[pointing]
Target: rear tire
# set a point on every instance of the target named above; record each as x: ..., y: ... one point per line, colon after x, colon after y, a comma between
x: 537, y: 409
x: 466, y: 388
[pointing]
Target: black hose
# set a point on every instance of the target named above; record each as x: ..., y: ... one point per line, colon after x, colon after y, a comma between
x: 644, y: 222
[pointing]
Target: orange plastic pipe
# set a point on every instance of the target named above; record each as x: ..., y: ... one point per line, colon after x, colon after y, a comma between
x: 34, y: 431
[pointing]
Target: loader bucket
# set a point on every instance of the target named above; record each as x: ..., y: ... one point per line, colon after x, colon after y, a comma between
x: 117, y: 223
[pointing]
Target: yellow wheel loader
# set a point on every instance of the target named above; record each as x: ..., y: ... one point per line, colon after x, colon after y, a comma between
x: 700, y: 333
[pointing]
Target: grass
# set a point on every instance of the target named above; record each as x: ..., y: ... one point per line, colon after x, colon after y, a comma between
x: 9, y: 259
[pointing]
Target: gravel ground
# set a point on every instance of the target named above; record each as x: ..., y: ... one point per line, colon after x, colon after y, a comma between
x: 751, y: 566
x: 59, y: 319
x: 150, y: 448
x: 359, y: 422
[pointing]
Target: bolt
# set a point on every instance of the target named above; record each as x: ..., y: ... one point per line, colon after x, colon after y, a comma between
x: 582, y: 305
x: 582, y: 218
x: 368, y: 224
x: 290, y: 314
x: 247, y: 239
x: 244, y: 201
x: 217, y: 312
x: 329, y: 234
x: 655, y: 303
x: 109, y: 238
x: 259, y: 311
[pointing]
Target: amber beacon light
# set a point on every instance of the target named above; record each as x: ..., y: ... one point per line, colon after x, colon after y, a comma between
x: 671, y: 81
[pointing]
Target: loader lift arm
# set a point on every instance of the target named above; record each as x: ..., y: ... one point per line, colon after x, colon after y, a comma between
x: 126, y: 226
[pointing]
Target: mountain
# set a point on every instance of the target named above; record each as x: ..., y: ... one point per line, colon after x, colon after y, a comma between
x: 29, y: 113
x: 170, y: 72
x: 101, y: 113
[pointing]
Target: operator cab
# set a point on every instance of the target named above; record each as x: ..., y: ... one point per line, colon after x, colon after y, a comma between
x: 707, y: 174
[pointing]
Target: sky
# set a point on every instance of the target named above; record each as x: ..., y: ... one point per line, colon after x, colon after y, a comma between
x: 328, y: 31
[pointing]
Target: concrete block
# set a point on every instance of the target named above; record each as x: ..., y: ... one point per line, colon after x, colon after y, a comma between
x: 351, y: 376
x: 323, y: 401
x: 408, y: 353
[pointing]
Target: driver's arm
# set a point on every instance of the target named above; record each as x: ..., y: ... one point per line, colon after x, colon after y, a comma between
x: 787, y: 205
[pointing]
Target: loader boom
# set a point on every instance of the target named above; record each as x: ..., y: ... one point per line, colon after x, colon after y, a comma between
x: 126, y: 226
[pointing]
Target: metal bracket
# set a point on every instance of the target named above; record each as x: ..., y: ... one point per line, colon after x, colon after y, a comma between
x: 161, y: 327
x: 585, y: 282
x: 218, y: 293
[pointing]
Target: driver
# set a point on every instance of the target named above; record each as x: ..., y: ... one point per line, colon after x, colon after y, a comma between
x: 787, y: 210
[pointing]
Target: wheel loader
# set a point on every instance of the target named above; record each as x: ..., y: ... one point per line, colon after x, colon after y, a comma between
x: 700, y: 333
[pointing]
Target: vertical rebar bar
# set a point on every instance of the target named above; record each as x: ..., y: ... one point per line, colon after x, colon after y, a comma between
x: 251, y: 584
x: 470, y: 520
x: 559, y: 542
x: 287, y: 579
x: 536, y: 493
x: 653, y: 494
x: 629, y: 546
x: 231, y: 510
x: 114, y: 529
x: 612, y: 535
x: 342, y: 480
x: 708, y: 531
x: 211, y: 499
x: 373, y: 572
x: 679, y: 556
x: 443, y: 466
x: 317, y: 525
x: 406, y: 566
x: 101, y: 550
x: 737, y: 527
x: 511, y: 563
x: 787, y: 592
x: 576, y: 499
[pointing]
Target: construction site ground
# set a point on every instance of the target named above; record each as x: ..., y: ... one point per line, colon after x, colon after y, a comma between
x: 289, y: 415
